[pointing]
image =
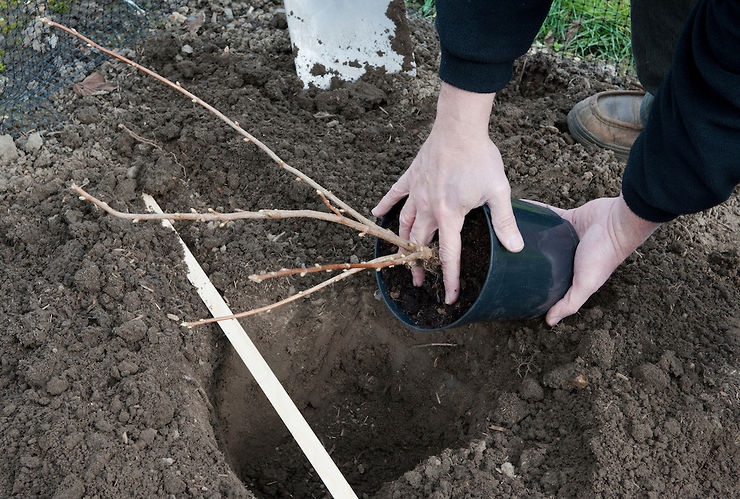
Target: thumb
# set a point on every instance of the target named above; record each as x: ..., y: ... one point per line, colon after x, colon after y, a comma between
x: 562, y: 213
x: 504, y: 224
x: 568, y: 305
x: 393, y: 196
x: 592, y: 268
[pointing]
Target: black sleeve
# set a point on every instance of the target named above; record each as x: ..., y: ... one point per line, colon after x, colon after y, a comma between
x: 481, y: 38
x: 688, y: 157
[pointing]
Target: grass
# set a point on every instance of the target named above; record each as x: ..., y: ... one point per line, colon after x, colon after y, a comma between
x: 598, y: 29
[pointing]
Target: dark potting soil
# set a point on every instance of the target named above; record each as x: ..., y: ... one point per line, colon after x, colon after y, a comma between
x: 103, y: 394
x: 426, y: 304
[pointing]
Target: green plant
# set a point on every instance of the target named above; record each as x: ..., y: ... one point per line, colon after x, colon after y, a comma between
x: 426, y: 8
x: 584, y: 28
x: 59, y: 6
x: 590, y: 28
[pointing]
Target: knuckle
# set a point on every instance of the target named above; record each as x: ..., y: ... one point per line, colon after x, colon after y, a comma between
x: 405, y: 220
x: 444, y: 212
x: 447, y: 255
x: 505, y: 222
x: 501, y: 192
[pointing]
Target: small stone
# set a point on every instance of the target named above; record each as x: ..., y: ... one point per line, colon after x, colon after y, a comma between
x: 168, y: 461
x: 354, y: 259
x: 228, y: 13
x: 508, y: 469
x: 187, y: 49
x: 33, y: 142
x: 177, y: 18
x: 8, y: 151
x: 580, y: 382
x: 56, y: 386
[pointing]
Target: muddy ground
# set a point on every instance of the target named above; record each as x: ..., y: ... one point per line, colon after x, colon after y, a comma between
x: 104, y: 394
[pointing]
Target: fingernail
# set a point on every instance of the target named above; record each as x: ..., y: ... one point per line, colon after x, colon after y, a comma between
x: 449, y: 299
x: 554, y: 322
x: 516, y: 243
x: 418, y: 282
x: 373, y: 211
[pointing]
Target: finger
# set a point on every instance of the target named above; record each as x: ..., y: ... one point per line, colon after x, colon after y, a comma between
x: 421, y: 233
x: 406, y: 219
x: 559, y: 211
x: 588, y: 277
x: 504, y: 223
x: 450, y: 245
x: 393, y: 196
x: 568, y: 305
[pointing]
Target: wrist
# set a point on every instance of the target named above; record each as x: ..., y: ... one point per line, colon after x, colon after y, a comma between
x: 633, y: 230
x: 639, y: 223
x: 460, y: 111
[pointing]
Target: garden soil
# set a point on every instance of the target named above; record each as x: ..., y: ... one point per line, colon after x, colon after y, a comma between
x: 104, y: 394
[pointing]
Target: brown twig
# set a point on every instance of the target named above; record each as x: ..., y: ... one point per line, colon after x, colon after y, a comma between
x: 280, y: 303
x: 426, y: 253
x: 378, y: 263
x: 247, y: 136
x: 328, y: 204
x: 425, y: 345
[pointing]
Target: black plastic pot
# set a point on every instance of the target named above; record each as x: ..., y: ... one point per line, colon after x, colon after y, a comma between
x: 518, y: 285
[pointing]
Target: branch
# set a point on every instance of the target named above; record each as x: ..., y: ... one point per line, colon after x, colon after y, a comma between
x: 377, y: 264
x: 259, y: 215
x: 247, y: 136
x: 275, y: 305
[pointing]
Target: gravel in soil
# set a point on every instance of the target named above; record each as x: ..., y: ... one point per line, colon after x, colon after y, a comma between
x: 104, y: 394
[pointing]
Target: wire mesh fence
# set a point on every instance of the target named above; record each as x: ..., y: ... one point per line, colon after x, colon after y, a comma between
x: 36, y: 61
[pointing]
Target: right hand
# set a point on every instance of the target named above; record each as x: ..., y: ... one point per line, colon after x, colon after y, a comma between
x: 457, y: 169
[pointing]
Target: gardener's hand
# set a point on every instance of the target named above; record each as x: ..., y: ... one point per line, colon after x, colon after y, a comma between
x: 457, y: 169
x: 609, y: 233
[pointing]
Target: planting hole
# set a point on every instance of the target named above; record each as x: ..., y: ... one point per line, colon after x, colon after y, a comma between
x: 379, y: 402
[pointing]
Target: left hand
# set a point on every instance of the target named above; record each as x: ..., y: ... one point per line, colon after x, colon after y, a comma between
x: 609, y: 232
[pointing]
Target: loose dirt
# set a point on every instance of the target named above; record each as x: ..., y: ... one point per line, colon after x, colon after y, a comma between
x: 425, y: 305
x: 104, y: 394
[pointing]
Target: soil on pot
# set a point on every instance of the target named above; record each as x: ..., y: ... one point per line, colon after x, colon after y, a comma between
x: 425, y: 304
x: 103, y: 393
